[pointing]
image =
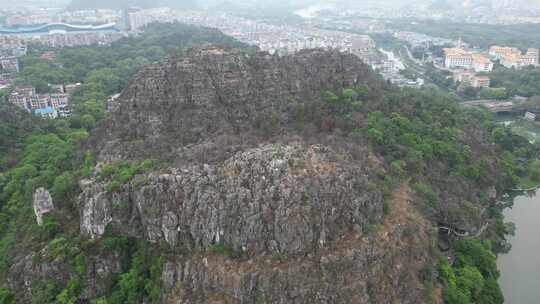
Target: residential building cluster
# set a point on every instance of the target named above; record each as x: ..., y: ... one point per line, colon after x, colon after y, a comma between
x: 487, y: 12
x: 50, y: 105
x: 47, y: 16
x: 12, y: 46
x: 33, y: 18
x: 459, y: 58
x: 281, y: 39
x: 59, y: 28
x: 65, y: 39
x: 137, y: 18
x: 9, y: 64
x: 513, y: 58
x: 466, y: 64
x: 472, y: 79
x: 421, y: 40
x: 99, y: 16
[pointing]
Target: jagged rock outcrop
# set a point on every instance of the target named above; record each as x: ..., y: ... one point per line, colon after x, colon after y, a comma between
x: 42, y: 203
x: 302, y: 217
x: 30, y: 275
x: 273, y: 199
x: 382, y: 266
x: 204, y: 106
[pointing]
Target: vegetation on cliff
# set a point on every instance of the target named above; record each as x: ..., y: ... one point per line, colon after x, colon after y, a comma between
x: 14, y: 126
x: 473, y: 277
x: 45, y: 153
x: 452, y: 157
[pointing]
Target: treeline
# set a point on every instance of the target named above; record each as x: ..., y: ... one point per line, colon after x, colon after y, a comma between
x: 473, y: 277
x: 506, y: 83
x: 523, y: 82
x: 15, y: 125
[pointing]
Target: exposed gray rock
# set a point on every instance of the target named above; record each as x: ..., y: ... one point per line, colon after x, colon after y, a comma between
x: 31, y: 272
x: 42, y: 203
x: 302, y: 214
x: 380, y: 267
x: 286, y: 199
x: 203, y: 106
x: 95, y: 211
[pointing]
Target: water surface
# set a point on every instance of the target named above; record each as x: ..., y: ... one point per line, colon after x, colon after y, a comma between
x: 520, y: 268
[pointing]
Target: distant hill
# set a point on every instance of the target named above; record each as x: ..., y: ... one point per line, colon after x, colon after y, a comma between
x: 118, y: 4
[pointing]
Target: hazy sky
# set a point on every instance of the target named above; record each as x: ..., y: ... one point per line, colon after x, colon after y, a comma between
x: 290, y: 3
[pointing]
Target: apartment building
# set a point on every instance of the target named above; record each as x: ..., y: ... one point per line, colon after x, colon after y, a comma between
x: 481, y: 63
x: 472, y: 79
x: 513, y: 57
x: 457, y: 58
x: 480, y: 82
x: 9, y: 64
x: 45, y: 105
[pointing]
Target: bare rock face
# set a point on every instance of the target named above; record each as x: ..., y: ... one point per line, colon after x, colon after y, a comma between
x: 305, y: 221
x: 43, y: 203
x: 186, y: 109
x: 286, y: 199
x: 382, y: 266
x: 300, y: 219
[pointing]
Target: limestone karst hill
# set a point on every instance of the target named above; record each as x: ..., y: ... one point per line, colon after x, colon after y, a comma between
x: 223, y: 176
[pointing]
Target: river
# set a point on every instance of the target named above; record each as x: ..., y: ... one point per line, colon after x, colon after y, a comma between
x: 520, y: 268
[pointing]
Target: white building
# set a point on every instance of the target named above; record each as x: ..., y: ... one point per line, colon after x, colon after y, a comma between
x: 482, y: 63
x: 45, y: 105
x: 513, y: 58
x: 457, y: 58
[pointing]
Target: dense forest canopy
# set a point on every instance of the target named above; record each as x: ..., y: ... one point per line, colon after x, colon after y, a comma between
x: 14, y: 126
x: 523, y: 82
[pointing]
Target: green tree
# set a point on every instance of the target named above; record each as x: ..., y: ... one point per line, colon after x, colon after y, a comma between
x: 6, y: 296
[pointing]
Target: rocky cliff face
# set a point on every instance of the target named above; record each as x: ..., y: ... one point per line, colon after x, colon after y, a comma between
x: 251, y: 211
x: 303, y: 223
x: 43, y: 204
x: 382, y: 266
x: 203, y: 107
x: 302, y: 219
x: 275, y: 199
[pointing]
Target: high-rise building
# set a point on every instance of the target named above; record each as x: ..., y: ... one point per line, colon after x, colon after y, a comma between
x: 137, y: 19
